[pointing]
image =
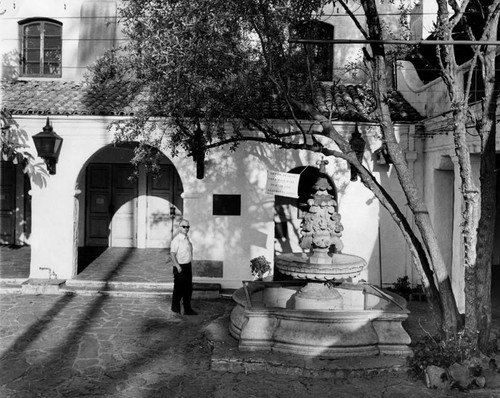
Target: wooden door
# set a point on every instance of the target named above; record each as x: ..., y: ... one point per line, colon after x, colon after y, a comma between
x: 7, y: 202
x: 111, y: 206
x: 160, y: 192
x: 124, y: 207
x: 98, y: 204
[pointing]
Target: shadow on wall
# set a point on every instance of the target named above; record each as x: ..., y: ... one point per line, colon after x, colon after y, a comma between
x: 237, y: 173
x: 390, y: 259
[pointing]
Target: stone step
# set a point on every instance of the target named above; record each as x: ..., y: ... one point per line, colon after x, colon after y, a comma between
x: 95, y: 287
x: 82, y: 284
x: 138, y: 289
x: 340, y: 369
x: 11, y: 285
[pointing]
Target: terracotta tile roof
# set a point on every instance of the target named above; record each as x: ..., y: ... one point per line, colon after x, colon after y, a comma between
x: 348, y: 103
x: 35, y: 97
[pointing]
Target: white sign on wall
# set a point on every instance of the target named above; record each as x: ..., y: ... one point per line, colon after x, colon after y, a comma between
x: 282, y: 184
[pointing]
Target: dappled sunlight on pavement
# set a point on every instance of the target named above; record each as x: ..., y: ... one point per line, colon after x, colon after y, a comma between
x: 102, y: 346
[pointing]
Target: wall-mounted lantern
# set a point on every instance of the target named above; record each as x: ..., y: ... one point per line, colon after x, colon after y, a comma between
x: 172, y: 217
x: 382, y: 155
x: 357, y: 144
x: 199, y: 153
x: 48, y: 145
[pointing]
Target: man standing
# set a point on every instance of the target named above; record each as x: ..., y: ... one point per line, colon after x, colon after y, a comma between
x: 181, y: 252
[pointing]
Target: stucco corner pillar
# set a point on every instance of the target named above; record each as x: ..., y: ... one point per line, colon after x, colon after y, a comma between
x: 54, y: 214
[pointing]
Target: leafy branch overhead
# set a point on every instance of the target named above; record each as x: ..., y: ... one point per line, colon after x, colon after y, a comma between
x: 225, y: 67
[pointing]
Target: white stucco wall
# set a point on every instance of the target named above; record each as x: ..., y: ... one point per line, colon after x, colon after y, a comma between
x: 58, y: 201
x: 58, y: 216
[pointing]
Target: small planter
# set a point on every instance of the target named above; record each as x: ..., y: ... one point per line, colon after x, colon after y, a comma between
x: 260, y: 268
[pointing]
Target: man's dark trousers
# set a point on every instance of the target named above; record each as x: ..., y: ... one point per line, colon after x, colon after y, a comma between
x: 183, y: 288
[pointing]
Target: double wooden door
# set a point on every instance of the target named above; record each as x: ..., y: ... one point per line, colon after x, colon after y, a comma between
x: 130, y: 213
x: 111, y: 206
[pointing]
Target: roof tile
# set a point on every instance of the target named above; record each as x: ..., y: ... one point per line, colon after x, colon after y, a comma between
x: 342, y: 102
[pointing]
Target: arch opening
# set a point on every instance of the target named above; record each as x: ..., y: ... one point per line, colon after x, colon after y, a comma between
x: 120, y: 206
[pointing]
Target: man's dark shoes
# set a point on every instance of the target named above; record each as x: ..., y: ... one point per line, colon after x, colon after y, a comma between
x: 177, y: 310
x: 190, y: 312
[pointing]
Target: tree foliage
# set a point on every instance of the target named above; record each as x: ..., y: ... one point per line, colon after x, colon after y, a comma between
x: 14, y: 143
x: 205, y: 64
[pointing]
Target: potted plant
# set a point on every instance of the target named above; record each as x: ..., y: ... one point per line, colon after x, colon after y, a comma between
x: 260, y: 266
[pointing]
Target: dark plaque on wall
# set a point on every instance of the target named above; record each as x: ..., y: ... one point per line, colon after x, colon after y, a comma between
x: 227, y: 205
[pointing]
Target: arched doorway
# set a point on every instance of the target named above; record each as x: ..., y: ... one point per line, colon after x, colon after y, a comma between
x: 120, y: 209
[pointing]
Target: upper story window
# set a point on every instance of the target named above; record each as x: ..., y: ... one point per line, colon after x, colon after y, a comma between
x: 41, y: 48
x: 318, y: 55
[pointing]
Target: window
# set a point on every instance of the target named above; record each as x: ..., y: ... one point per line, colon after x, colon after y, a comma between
x: 41, y: 48
x: 319, y: 55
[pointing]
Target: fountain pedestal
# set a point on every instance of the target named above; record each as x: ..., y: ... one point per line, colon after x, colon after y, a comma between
x: 317, y: 296
x: 320, y: 267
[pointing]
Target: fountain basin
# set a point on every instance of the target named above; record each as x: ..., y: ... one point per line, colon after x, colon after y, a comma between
x: 265, y: 319
x: 332, y: 266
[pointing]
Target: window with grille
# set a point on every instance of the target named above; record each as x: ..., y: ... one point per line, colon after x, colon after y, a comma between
x: 318, y: 56
x: 41, y: 48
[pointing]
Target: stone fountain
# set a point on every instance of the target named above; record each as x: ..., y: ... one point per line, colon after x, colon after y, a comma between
x: 325, y: 311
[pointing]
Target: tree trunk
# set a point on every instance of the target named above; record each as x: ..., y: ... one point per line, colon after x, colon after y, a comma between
x: 415, y: 202
x: 419, y: 256
x: 485, y: 234
x: 478, y: 204
x: 486, y: 227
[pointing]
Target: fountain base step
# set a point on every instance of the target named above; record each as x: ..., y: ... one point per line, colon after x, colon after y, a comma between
x: 231, y: 360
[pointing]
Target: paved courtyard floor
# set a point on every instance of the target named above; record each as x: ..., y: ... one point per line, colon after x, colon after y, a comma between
x: 104, y: 346
x: 119, y: 346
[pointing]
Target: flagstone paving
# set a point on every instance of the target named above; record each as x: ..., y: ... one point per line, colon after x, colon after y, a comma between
x: 122, y: 264
x: 102, y: 346
x: 133, y: 346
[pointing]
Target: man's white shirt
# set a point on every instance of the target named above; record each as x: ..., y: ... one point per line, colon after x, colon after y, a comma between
x: 183, y: 249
